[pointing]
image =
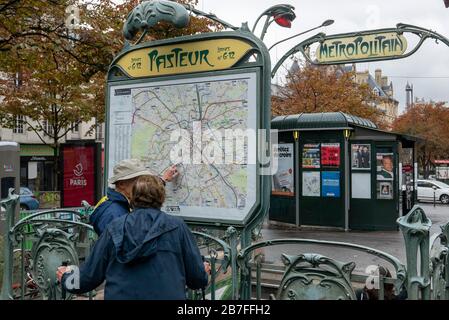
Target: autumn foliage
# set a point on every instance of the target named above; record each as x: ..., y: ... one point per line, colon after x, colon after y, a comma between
x: 430, y: 122
x: 312, y: 89
x: 55, y: 77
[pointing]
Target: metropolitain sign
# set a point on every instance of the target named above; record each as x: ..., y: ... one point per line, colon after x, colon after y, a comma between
x: 340, y: 49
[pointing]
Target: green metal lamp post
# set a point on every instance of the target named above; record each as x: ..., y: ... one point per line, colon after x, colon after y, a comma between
x: 324, y: 24
x: 282, y: 14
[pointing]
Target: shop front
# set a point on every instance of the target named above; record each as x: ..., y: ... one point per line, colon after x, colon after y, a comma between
x: 343, y: 172
x: 36, y: 167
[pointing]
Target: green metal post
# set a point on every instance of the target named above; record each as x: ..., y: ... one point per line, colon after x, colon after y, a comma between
x: 444, y: 240
x: 10, y: 205
x: 232, y: 234
x: 415, y: 227
x: 22, y: 267
x: 245, y: 278
x: 381, y: 287
x: 212, y: 278
x: 259, y: 277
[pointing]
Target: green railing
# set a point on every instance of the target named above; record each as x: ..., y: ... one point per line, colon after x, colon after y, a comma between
x: 238, y: 273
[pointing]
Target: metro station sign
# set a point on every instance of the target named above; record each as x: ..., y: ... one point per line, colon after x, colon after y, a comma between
x: 342, y: 49
x: 199, y: 56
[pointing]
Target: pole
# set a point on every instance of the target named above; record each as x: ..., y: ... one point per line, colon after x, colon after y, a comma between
x: 325, y: 23
x: 434, y: 197
x: 10, y: 205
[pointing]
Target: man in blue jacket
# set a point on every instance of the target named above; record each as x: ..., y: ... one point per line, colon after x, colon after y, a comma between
x: 116, y: 202
x: 147, y: 254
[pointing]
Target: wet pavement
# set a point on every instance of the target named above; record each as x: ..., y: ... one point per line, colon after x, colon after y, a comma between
x: 390, y: 242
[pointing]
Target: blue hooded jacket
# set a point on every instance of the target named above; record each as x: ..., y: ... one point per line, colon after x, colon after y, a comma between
x: 114, y: 207
x: 146, y: 255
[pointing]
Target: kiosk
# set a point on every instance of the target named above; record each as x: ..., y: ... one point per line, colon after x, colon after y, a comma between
x: 343, y: 171
x: 9, y: 175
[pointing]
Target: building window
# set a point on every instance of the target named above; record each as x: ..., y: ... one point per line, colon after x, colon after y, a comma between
x: 18, y: 125
x: 75, y: 127
x: 46, y: 126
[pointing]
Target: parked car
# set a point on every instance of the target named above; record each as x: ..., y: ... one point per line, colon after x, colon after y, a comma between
x: 27, y: 200
x: 426, y: 189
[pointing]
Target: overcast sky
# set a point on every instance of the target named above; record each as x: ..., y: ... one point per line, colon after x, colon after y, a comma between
x: 427, y: 70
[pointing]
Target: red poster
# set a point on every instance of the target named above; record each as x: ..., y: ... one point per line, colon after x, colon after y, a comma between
x: 330, y: 154
x: 79, y: 175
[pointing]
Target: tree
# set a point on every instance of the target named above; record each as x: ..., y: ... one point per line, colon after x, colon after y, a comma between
x: 324, y: 89
x: 57, y: 75
x: 429, y: 122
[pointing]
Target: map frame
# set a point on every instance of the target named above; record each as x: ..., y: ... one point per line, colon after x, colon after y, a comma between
x: 253, y: 75
x: 232, y: 52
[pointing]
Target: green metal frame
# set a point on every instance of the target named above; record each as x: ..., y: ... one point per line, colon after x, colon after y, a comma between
x: 261, y: 66
x: 244, y: 258
x: 53, y: 241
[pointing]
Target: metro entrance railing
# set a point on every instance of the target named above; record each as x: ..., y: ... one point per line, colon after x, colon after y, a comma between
x: 237, y: 273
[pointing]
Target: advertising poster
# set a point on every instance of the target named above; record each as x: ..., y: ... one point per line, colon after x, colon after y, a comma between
x: 311, y: 156
x: 385, y: 166
x: 330, y: 184
x: 361, y: 185
x: 385, y: 190
x: 283, y: 179
x: 442, y: 173
x: 79, y: 175
x: 361, y: 156
x: 310, y: 184
x: 330, y: 154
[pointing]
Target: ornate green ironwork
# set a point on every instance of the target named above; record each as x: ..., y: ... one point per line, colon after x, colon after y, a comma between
x: 415, y: 227
x: 148, y: 13
x: 439, y: 264
x: 401, y: 28
x: 221, y: 265
x: 54, y: 241
x: 54, y: 248
x: 316, y: 277
x: 243, y: 260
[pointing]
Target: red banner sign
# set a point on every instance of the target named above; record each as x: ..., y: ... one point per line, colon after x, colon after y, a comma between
x: 330, y: 154
x: 79, y: 175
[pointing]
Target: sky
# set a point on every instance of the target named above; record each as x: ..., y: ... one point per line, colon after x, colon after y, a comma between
x: 427, y: 69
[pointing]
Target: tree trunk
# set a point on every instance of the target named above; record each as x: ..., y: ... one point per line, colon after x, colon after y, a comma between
x: 55, y: 166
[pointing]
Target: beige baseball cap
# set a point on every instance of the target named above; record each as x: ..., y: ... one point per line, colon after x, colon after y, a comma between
x: 128, y: 169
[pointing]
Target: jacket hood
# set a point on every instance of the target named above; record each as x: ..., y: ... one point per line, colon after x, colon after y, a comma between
x: 135, y: 236
x: 114, y: 204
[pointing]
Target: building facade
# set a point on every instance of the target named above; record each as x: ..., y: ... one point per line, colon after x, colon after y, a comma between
x: 37, y: 157
x: 383, y: 89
